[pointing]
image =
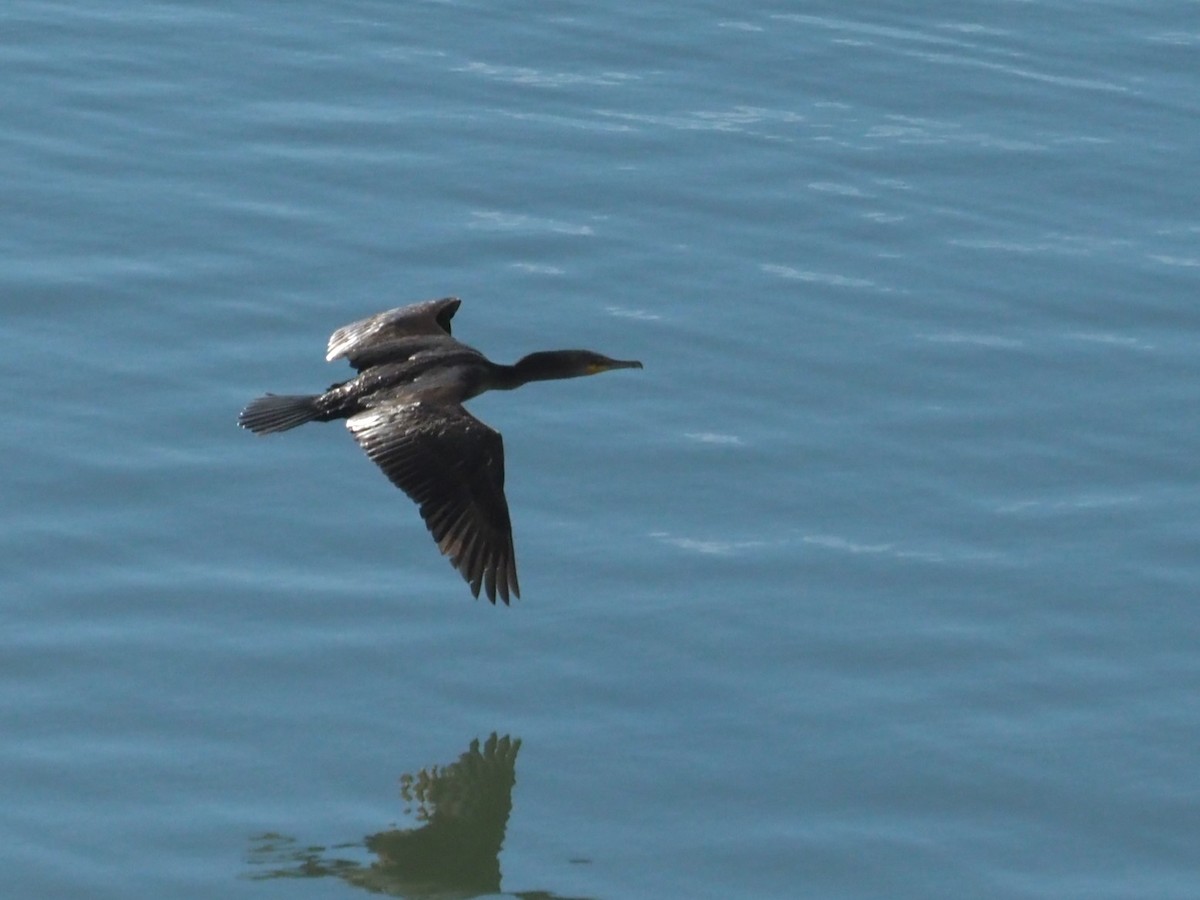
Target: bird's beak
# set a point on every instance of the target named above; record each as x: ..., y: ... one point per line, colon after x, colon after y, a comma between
x: 604, y: 364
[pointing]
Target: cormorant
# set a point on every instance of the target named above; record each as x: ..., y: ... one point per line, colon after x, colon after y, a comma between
x: 405, y: 409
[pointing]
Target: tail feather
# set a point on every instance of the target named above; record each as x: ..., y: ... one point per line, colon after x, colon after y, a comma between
x: 272, y: 413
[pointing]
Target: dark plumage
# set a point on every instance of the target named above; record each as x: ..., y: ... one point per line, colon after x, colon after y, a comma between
x: 404, y: 407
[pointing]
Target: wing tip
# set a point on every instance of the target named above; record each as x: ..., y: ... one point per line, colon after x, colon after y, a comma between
x: 495, y: 578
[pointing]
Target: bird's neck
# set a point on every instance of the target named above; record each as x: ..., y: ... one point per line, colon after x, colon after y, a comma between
x: 545, y: 365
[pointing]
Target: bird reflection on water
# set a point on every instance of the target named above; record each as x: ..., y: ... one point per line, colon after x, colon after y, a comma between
x: 463, y: 809
x: 405, y: 410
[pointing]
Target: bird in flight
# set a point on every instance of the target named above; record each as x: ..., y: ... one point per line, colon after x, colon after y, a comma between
x: 405, y: 409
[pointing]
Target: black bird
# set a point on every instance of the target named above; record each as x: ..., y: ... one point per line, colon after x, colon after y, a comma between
x: 405, y: 409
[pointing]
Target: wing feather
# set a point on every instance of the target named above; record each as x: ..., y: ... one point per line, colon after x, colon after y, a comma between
x: 367, y: 340
x: 452, y: 466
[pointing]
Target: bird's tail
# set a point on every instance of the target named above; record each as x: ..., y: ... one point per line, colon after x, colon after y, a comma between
x: 273, y: 412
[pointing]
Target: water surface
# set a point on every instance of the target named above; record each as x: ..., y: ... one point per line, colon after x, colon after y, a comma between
x: 879, y: 580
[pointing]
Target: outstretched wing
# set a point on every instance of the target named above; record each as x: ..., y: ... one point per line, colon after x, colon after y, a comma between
x: 368, y: 336
x: 452, y: 466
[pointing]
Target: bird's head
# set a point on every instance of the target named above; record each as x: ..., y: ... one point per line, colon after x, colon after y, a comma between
x: 548, y: 364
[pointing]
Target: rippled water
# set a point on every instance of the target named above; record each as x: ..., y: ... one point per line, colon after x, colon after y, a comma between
x: 879, y: 580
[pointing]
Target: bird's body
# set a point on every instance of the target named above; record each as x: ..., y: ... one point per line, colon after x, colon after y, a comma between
x: 404, y: 407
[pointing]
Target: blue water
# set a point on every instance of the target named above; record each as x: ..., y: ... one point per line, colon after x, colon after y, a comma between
x: 880, y: 580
